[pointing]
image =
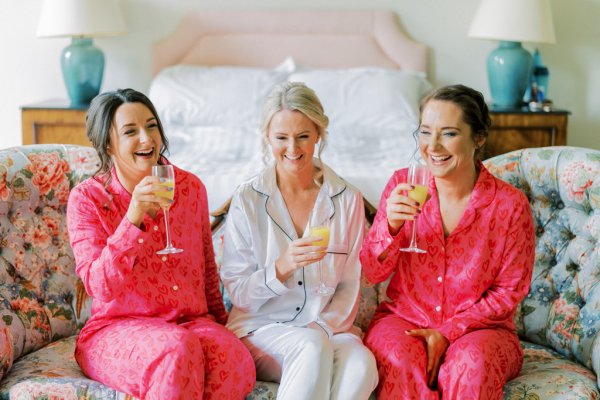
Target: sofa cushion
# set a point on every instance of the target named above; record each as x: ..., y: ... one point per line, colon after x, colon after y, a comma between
x: 563, y: 187
x: 548, y: 375
x: 52, y: 372
x: 41, y: 298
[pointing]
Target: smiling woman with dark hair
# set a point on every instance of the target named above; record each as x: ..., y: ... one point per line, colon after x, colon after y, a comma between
x: 448, y: 329
x: 156, y: 329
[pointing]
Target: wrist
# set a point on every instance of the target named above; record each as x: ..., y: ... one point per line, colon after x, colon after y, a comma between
x: 279, y: 273
x: 135, y: 218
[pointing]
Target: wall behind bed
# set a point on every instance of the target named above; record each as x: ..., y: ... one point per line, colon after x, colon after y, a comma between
x: 30, y: 72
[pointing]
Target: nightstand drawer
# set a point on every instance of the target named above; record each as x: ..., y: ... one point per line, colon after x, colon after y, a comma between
x: 513, y: 130
x: 53, y: 122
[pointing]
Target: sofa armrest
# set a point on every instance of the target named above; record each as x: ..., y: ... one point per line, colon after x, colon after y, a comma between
x: 596, y: 358
x: 6, y: 349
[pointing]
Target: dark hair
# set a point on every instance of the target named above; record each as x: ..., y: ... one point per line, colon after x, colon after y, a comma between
x: 99, y: 122
x: 474, y: 109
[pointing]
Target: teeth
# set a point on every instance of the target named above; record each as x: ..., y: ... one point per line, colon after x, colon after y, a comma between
x: 147, y: 153
x: 292, y: 157
x: 439, y: 158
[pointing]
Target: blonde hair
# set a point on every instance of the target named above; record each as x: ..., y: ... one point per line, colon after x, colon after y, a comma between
x: 295, y: 96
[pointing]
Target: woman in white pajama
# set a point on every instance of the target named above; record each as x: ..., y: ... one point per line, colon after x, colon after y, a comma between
x: 298, y: 338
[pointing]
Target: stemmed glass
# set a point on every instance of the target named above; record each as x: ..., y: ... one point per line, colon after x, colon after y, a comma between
x: 168, y: 174
x: 418, y: 176
x: 320, y: 228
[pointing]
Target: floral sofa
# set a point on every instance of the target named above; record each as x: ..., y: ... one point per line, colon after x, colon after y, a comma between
x: 43, y: 304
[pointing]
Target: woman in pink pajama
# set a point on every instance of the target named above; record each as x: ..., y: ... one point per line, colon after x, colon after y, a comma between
x: 156, y: 330
x: 447, y: 330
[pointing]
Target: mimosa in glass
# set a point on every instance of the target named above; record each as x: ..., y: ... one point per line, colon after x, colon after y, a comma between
x: 168, y: 174
x: 321, y: 230
x: 418, y: 176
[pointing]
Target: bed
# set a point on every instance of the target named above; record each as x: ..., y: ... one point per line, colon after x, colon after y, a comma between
x: 212, y: 74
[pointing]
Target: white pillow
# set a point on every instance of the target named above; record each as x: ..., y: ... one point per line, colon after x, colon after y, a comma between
x: 224, y: 96
x: 367, y: 96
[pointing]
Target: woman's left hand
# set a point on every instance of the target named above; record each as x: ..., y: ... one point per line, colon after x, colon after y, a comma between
x: 437, y: 344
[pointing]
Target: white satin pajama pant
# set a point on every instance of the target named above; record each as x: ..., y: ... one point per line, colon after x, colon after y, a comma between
x: 310, y: 366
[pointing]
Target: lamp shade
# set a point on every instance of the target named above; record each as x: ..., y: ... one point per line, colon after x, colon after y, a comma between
x: 80, y: 18
x: 514, y: 20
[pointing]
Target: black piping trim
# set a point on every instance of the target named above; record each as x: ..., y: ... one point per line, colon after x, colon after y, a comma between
x: 268, y: 285
x: 303, y: 304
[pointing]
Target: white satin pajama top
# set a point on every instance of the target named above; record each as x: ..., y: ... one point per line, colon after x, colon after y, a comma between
x: 259, y: 229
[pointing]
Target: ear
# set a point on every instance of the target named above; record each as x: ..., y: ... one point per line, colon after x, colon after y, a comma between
x: 479, y: 141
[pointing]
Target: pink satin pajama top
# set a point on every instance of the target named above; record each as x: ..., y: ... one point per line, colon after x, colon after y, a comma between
x: 472, y: 279
x: 118, y: 264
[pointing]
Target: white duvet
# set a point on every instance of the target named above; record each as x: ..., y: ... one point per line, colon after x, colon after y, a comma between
x: 223, y: 157
x: 211, y: 116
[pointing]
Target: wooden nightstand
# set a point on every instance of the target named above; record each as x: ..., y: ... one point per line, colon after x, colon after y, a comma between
x: 521, y: 128
x: 54, y: 121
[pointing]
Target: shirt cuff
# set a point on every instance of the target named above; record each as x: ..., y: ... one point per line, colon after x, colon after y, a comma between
x: 128, y: 236
x: 272, y: 282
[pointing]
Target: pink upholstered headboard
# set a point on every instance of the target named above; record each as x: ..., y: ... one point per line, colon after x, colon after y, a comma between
x: 314, y: 38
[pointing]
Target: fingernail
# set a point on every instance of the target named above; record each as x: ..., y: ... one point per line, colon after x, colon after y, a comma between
x: 171, y: 200
x: 407, y: 332
x: 169, y: 188
x: 419, y: 211
x: 412, y: 186
x: 162, y: 179
x: 417, y: 203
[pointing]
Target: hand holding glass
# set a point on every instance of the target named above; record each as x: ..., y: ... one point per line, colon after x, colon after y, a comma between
x: 321, y: 230
x: 168, y: 174
x: 418, y: 176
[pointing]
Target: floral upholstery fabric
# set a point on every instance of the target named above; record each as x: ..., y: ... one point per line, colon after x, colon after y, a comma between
x: 41, y: 298
x: 43, y: 304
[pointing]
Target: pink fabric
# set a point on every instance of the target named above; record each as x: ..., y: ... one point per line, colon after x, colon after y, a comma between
x: 476, y: 366
x: 152, y: 332
x: 314, y: 38
x: 471, y: 280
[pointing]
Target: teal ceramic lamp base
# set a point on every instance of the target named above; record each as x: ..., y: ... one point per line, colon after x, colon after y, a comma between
x: 82, y: 67
x: 509, y: 67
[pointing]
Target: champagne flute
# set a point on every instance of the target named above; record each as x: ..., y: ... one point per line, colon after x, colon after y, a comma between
x: 321, y: 229
x: 418, y: 176
x: 168, y: 174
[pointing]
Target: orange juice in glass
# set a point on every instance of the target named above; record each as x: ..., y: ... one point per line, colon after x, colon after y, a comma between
x: 418, y: 176
x: 167, y: 174
x: 419, y: 193
x: 321, y: 230
x: 167, y: 194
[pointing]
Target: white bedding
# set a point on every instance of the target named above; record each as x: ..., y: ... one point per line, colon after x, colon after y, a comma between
x: 211, y: 118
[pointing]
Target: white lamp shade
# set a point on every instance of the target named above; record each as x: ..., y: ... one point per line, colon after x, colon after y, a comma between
x: 81, y: 18
x: 514, y: 20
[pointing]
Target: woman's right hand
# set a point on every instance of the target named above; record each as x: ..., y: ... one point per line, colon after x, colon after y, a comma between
x: 400, y: 208
x: 144, y: 200
x: 299, y: 254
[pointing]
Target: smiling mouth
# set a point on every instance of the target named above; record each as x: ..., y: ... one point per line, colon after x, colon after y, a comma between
x: 293, y: 158
x: 145, y: 153
x: 439, y: 158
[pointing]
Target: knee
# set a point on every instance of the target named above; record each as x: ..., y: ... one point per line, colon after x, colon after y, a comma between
x: 314, y: 347
x: 184, y: 346
x: 362, y: 361
x: 397, y: 353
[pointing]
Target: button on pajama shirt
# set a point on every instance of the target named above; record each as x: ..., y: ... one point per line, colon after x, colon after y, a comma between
x: 467, y: 286
x: 156, y: 328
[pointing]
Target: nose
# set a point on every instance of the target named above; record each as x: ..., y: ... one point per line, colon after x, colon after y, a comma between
x: 434, y: 141
x: 292, y: 144
x: 144, y: 136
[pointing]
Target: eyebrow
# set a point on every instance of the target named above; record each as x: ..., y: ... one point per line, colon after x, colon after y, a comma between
x: 133, y: 123
x: 293, y: 134
x: 443, y: 127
